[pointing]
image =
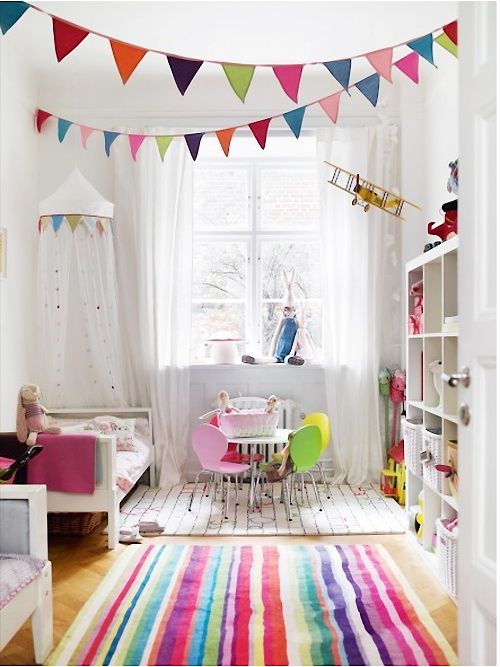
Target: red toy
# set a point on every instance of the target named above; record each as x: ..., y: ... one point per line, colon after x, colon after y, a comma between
x: 449, y: 227
x: 397, y: 396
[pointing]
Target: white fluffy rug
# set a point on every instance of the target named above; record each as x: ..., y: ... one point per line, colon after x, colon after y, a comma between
x: 350, y: 511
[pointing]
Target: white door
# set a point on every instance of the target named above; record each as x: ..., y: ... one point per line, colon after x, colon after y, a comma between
x: 477, y: 344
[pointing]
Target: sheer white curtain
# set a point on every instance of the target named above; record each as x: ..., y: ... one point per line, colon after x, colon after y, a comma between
x: 361, y: 295
x: 153, y: 213
x: 80, y: 361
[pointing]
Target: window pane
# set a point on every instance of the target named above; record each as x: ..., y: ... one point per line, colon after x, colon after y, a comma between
x: 289, y: 198
x: 219, y: 270
x: 215, y: 320
x: 221, y: 198
x: 303, y: 257
x: 272, y: 313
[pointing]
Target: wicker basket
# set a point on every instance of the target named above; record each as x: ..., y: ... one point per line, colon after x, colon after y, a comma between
x: 431, y: 442
x: 73, y: 523
x: 447, y: 558
x: 412, y: 436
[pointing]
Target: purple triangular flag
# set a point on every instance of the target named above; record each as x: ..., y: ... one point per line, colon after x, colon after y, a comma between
x: 193, y: 143
x: 183, y: 71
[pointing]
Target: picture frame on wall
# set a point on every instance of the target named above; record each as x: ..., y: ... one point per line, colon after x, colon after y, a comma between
x: 3, y: 252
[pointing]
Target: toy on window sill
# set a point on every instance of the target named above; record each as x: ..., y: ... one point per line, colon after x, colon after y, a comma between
x: 30, y: 418
x: 285, y: 340
x: 449, y: 228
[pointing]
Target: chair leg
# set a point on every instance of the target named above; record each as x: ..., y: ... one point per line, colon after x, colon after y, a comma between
x: 194, y: 490
x: 288, y: 500
x: 209, y: 489
x: 294, y: 487
x: 315, y: 490
x: 226, y: 510
x: 323, y: 479
x: 302, y: 487
x: 41, y: 620
x: 236, y: 489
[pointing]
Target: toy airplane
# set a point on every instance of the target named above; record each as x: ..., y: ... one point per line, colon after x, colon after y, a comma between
x: 367, y: 193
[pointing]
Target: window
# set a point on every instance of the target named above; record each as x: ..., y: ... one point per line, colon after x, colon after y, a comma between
x: 255, y: 215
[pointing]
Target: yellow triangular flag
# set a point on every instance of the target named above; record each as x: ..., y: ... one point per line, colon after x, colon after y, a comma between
x: 240, y: 77
x: 46, y: 220
x: 163, y: 143
x: 73, y: 221
x: 444, y: 41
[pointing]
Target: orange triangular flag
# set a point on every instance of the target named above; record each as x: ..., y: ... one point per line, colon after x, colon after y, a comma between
x: 224, y: 137
x: 127, y: 58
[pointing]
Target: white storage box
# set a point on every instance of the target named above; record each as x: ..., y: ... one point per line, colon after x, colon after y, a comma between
x: 431, y: 444
x: 447, y: 557
x: 412, y: 436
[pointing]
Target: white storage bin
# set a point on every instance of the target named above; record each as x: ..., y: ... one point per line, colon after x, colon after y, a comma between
x: 447, y: 558
x: 431, y: 443
x: 412, y: 436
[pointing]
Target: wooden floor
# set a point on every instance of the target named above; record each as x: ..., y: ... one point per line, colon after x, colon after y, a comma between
x: 79, y: 564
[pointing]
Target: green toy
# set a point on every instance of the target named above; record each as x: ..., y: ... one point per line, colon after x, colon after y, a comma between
x: 384, y: 379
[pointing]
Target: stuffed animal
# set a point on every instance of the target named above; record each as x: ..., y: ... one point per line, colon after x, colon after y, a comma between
x: 272, y: 403
x: 384, y: 379
x: 30, y: 419
x: 397, y: 395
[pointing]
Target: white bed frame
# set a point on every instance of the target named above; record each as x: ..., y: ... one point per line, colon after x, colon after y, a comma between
x: 107, y: 495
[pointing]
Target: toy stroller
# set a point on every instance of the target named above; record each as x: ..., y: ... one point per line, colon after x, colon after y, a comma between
x: 7, y: 473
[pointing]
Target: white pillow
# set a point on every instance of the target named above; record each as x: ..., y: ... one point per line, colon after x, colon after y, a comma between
x: 122, y: 428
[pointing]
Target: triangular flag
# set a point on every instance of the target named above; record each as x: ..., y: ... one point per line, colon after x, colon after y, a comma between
x: 62, y: 128
x: 39, y: 225
x: 104, y: 223
x: 341, y: 70
x: 259, y: 130
x: 409, y: 65
x: 423, y: 47
x: 451, y: 29
x: 369, y: 87
x: 57, y: 221
x: 99, y: 227
x: 10, y: 13
x: 85, y: 133
x: 66, y: 37
x: 193, y: 143
x: 89, y: 222
x: 330, y: 105
x: 240, y: 78
x: 41, y: 117
x: 224, y: 137
x: 289, y: 77
x: 294, y: 120
x: 45, y: 220
x: 73, y: 221
x: 381, y: 61
x: 126, y: 57
x: 135, y: 141
x: 183, y: 71
x: 444, y: 41
x: 163, y: 143
x: 109, y: 137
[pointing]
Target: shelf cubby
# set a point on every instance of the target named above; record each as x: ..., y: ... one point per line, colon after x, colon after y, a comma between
x: 433, y: 312
x: 432, y: 353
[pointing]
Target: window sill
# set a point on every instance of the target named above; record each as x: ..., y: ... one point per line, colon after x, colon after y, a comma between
x: 306, y: 366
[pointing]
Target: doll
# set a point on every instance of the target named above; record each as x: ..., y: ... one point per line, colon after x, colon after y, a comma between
x: 31, y: 419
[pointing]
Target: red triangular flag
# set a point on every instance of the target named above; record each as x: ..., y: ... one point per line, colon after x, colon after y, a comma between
x: 224, y: 137
x: 41, y: 117
x: 127, y: 58
x: 66, y: 37
x: 381, y: 61
x: 259, y: 130
x: 409, y: 66
x: 289, y: 77
x: 452, y: 31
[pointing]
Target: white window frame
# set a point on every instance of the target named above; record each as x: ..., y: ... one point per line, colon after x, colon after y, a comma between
x: 254, y: 236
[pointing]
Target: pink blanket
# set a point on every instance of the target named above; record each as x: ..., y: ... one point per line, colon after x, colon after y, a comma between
x: 67, y: 463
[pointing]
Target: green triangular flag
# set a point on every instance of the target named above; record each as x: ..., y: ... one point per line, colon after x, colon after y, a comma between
x: 240, y: 78
x: 444, y: 41
x: 163, y: 143
x: 73, y: 221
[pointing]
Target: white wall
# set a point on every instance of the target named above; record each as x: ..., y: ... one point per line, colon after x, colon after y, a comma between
x: 18, y: 214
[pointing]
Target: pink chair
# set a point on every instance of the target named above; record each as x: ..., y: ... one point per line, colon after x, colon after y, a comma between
x: 210, y: 446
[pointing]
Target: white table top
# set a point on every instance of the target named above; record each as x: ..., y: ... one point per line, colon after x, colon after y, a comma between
x: 280, y: 437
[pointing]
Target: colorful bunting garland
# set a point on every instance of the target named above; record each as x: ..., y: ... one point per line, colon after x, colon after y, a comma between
x: 67, y: 36
x: 90, y: 222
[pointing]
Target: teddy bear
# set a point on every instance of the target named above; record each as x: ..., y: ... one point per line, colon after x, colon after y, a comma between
x: 31, y: 419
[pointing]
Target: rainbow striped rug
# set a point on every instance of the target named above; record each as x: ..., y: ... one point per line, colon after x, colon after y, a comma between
x: 253, y: 605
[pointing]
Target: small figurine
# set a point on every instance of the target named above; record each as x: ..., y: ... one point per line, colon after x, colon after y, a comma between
x: 272, y: 403
x: 449, y: 227
x: 223, y: 405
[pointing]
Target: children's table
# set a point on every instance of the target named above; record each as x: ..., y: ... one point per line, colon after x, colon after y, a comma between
x: 279, y: 438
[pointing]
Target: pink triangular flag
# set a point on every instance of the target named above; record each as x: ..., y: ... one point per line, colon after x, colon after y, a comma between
x: 289, y: 77
x: 135, y: 143
x: 330, y: 105
x: 85, y: 133
x: 409, y: 66
x: 381, y: 61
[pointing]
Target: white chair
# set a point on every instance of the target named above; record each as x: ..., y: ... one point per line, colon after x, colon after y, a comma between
x: 23, y: 534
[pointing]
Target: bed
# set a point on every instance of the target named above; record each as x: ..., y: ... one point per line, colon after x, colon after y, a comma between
x: 108, y: 492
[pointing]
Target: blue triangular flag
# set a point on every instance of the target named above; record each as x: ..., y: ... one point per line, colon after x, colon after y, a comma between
x: 423, y: 47
x: 193, y: 143
x: 109, y: 137
x: 294, y: 119
x: 341, y: 70
x: 10, y: 13
x: 57, y: 221
x: 62, y: 127
x: 369, y: 87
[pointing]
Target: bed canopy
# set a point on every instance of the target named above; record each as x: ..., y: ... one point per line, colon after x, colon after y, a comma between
x: 76, y: 196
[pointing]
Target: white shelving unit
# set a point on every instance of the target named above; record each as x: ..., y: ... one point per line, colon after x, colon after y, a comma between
x: 438, y: 270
